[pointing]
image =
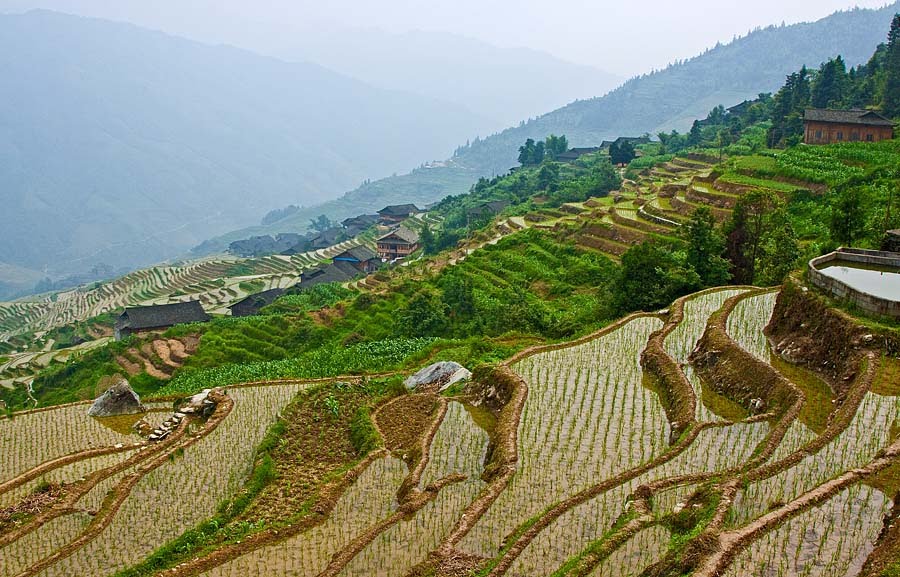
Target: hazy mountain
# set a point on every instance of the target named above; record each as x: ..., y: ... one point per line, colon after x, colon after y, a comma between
x: 662, y: 100
x: 124, y: 146
x: 505, y: 85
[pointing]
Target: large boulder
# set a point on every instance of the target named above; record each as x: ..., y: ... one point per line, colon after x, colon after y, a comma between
x: 119, y: 399
x: 439, y: 375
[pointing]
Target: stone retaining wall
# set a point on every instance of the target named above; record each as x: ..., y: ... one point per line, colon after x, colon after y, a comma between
x: 840, y: 289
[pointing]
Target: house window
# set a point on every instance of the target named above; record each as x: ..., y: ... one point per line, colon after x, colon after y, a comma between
x: 854, y: 136
x: 870, y: 138
x: 818, y: 135
x: 840, y: 136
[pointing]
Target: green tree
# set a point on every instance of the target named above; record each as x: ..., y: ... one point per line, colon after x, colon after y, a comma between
x: 621, y: 152
x: 427, y: 239
x: 555, y: 145
x: 705, y: 247
x: 424, y: 315
x: 780, y: 250
x: 321, y: 223
x: 526, y: 153
x: 760, y: 239
x: 458, y: 296
x: 829, y: 90
x: 848, y: 215
x: 652, y: 276
x: 891, y: 99
x: 548, y: 177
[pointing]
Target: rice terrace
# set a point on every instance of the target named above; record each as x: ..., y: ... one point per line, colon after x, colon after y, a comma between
x: 653, y: 356
x: 610, y: 455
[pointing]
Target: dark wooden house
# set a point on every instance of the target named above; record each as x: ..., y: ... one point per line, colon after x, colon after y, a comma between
x: 398, y: 243
x: 253, y: 303
x: 574, y: 154
x: 363, y: 258
x: 825, y: 126
x: 490, y: 207
x: 340, y: 271
x: 158, y: 317
x: 397, y: 213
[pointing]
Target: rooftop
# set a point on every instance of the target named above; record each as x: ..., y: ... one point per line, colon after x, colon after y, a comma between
x: 398, y: 210
x: 361, y: 253
x: 403, y: 234
x: 862, y: 117
x: 156, y: 316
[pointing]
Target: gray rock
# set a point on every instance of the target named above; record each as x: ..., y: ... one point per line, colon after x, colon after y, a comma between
x: 441, y: 375
x: 119, y: 399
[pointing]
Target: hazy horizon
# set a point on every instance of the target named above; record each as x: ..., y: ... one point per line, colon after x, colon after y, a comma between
x: 584, y: 33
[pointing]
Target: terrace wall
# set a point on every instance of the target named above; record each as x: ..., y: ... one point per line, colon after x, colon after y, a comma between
x: 840, y: 289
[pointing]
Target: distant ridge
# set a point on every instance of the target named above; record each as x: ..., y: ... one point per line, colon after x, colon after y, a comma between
x: 124, y: 146
x: 664, y: 100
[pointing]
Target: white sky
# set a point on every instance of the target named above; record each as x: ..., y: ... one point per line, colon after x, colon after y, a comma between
x: 625, y: 37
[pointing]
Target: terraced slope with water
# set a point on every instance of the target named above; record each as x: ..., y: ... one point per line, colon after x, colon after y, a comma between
x: 594, y: 457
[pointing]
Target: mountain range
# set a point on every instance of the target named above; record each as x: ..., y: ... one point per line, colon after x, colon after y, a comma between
x: 125, y: 146
x: 660, y: 101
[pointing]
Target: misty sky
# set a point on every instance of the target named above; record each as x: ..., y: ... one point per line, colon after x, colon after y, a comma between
x: 626, y: 38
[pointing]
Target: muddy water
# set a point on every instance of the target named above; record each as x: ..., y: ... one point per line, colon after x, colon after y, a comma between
x: 586, y: 418
x: 460, y: 446
x: 185, y: 490
x: 681, y: 341
x: 29, y: 440
x: 371, y: 498
x: 831, y: 540
x: 746, y: 325
x: 575, y: 529
x: 641, y: 551
x: 868, y: 432
x: 66, y: 474
x: 19, y: 555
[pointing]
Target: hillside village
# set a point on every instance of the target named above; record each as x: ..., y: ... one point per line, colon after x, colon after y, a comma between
x: 663, y: 355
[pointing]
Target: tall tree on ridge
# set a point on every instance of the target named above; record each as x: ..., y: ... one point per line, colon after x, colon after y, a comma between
x: 891, y: 102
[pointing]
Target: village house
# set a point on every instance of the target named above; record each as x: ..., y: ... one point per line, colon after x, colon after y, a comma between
x: 397, y: 213
x: 361, y: 257
x: 490, y: 207
x: 355, y: 225
x: 158, y: 317
x: 574, y: 154
x: 398, y: 243
x: 340, y: 271
x: 252, y: 304
x: 825, y: 126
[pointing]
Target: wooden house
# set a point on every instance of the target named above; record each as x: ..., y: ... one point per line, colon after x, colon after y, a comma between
x: 339, y: 271
x: 361, y: 257
x: 574, y: 154
x: 158, y: 317
x: 490, y: 207
x: 355, y: 225
x: 252, y: 304
x: 825, y: 126
x: 398, y: 243
x: 397, y: 213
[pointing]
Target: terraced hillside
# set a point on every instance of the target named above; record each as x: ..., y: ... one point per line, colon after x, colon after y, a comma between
x: 217, y: 283
x: 664, y: 444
